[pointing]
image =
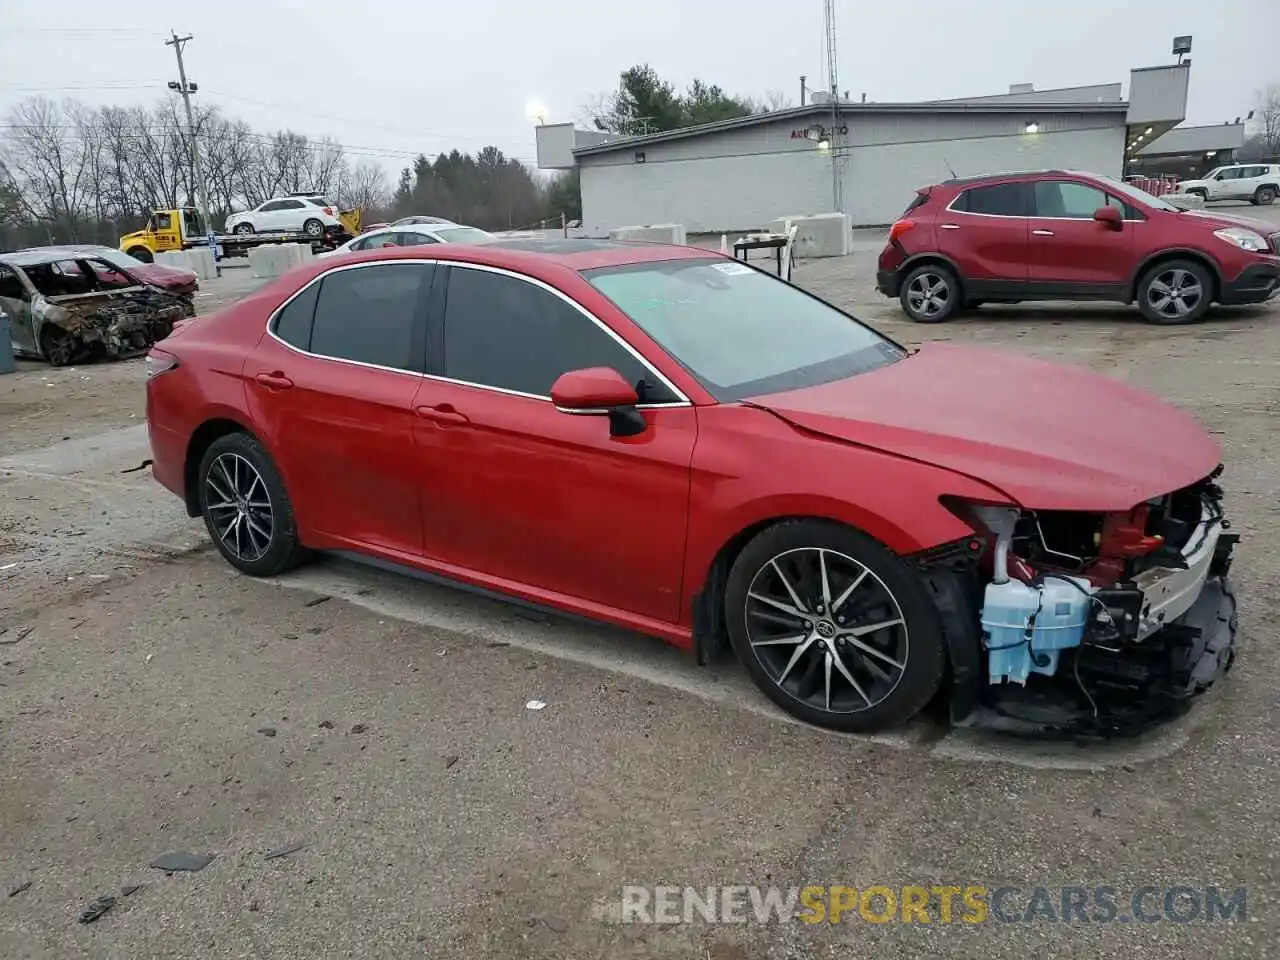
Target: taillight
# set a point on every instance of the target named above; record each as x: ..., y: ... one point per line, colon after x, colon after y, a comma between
x: 328, y: 211
x: 159, y: 362
x: 899, y: 228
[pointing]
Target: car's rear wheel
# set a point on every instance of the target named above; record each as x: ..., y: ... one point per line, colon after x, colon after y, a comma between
x: 313, y: 228
x: 246, y: 507
x: 930, y: 294
x: 1176, y: 291
x: 243, y: 229
x: 1265, y: 196
x: 833, y: 627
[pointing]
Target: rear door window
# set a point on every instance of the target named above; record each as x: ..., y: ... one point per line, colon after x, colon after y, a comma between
x: 373, y: 315
x: 995, y: 200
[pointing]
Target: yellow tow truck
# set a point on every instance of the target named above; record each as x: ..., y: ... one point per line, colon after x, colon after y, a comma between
x: 183, y: 228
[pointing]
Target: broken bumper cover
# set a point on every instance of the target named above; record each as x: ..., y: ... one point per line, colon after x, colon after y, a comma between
x: 1175, y: 639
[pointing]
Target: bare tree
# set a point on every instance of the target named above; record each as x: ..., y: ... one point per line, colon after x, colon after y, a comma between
x: 363, y: 185
x: 774, y: 100
x: 1267, y: 117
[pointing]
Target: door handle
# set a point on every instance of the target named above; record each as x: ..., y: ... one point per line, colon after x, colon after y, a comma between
x: 274, y: 381
x: 442, y: 413
x: 948, y: 226
x: 1042, y: 233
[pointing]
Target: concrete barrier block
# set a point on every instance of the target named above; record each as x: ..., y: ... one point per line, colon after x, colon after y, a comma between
x: 820, y: 235
x: 264, y: 262
x: 653, y: 233
x: 201, y: 263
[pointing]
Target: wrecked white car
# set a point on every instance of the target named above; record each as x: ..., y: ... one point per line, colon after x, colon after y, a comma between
x: 66, y: 308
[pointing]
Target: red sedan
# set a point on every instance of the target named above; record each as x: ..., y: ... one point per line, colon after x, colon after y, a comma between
x: 671, y: 441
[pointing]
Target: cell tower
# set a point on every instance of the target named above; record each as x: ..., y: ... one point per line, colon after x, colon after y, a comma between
x: 833, y: 84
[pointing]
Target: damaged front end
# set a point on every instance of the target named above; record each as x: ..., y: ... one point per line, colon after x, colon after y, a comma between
x: 115, y: 324
x: 1087, y: 624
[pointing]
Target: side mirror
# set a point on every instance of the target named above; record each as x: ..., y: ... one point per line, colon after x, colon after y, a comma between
x: 1110, y: 216
x: 600, y: 391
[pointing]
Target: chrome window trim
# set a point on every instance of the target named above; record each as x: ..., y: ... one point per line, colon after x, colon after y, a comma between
x: 683, y: 400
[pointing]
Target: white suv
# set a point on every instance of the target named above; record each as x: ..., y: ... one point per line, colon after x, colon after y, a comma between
x: 1259, y: 183
x: 312, y: 215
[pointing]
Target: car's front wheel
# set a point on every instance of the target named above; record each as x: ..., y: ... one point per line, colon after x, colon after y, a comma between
x: 833, y: 627
x: 930, y: 294
x: 243, y: 229
x: 246, y: 507
x: 1176, y: 291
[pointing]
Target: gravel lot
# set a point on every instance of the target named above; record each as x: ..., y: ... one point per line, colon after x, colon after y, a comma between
x: 153, y: 701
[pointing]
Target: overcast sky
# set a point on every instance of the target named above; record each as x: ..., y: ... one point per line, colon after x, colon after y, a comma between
x: 389, y: 79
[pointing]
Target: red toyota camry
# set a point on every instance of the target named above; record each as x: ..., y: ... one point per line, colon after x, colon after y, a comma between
x: 678, y: 443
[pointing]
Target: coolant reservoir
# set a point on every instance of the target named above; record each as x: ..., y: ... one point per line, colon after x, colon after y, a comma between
x: 1025, y: 627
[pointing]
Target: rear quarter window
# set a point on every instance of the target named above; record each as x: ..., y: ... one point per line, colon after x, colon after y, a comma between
x: 919, y: 200
x: 293, y: 323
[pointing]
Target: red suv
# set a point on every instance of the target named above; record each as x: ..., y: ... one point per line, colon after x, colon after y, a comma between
x: 1063, y: 235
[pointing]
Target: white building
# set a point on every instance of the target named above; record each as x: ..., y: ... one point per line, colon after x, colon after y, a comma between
x: 863, y: 159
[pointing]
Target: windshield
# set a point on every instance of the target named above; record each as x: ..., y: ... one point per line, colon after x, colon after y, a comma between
x: 1135, y: 193
x: 740, y: 331
x: 462, y: 235
x: 1211, y: 174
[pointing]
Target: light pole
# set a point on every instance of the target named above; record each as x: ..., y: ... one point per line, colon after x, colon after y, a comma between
x: 185, y: 89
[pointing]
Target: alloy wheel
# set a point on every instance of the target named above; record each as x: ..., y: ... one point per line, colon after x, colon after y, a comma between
x: 827, y: 630
x: 239, y: 507
x: 1175, y: 293
x: 313, y: 228
x: 928, y: 294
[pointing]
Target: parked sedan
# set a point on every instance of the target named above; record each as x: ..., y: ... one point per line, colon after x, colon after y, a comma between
x: 667, y: 440
x: 411, y: 236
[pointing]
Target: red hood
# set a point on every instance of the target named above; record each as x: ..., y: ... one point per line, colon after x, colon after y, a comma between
x: 1050, y: 436
x: 1217, y: 220
x: 161, y: 276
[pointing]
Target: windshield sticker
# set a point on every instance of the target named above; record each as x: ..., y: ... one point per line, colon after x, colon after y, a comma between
x: 732, y: 269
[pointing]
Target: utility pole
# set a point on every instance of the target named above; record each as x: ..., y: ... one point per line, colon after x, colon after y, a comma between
x: 829, y: 31
x: 186, y: 89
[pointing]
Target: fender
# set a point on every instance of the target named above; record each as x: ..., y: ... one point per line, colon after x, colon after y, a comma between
x: 915, y: 258
x: 1131, y: 288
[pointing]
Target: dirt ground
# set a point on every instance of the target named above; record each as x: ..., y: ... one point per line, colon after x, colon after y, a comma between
x: 153, y: 701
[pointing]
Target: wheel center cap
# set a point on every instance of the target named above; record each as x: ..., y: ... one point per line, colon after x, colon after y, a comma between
x: 826, y: 629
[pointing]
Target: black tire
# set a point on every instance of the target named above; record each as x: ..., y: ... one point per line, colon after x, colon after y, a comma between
x: 930, y: 294
x: 1265, y: 196
x: 1181, y: 275
x: 909, y: 660
x: 243, y: 229
x: 58, y: 347
x: 243, y: 548
x: 141, y: 253
x: 313, y: 228
x: 1202, y: 194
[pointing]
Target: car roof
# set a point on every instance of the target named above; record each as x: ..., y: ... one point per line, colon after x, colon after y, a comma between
x: 573, y: 253
x: 34, y: 256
